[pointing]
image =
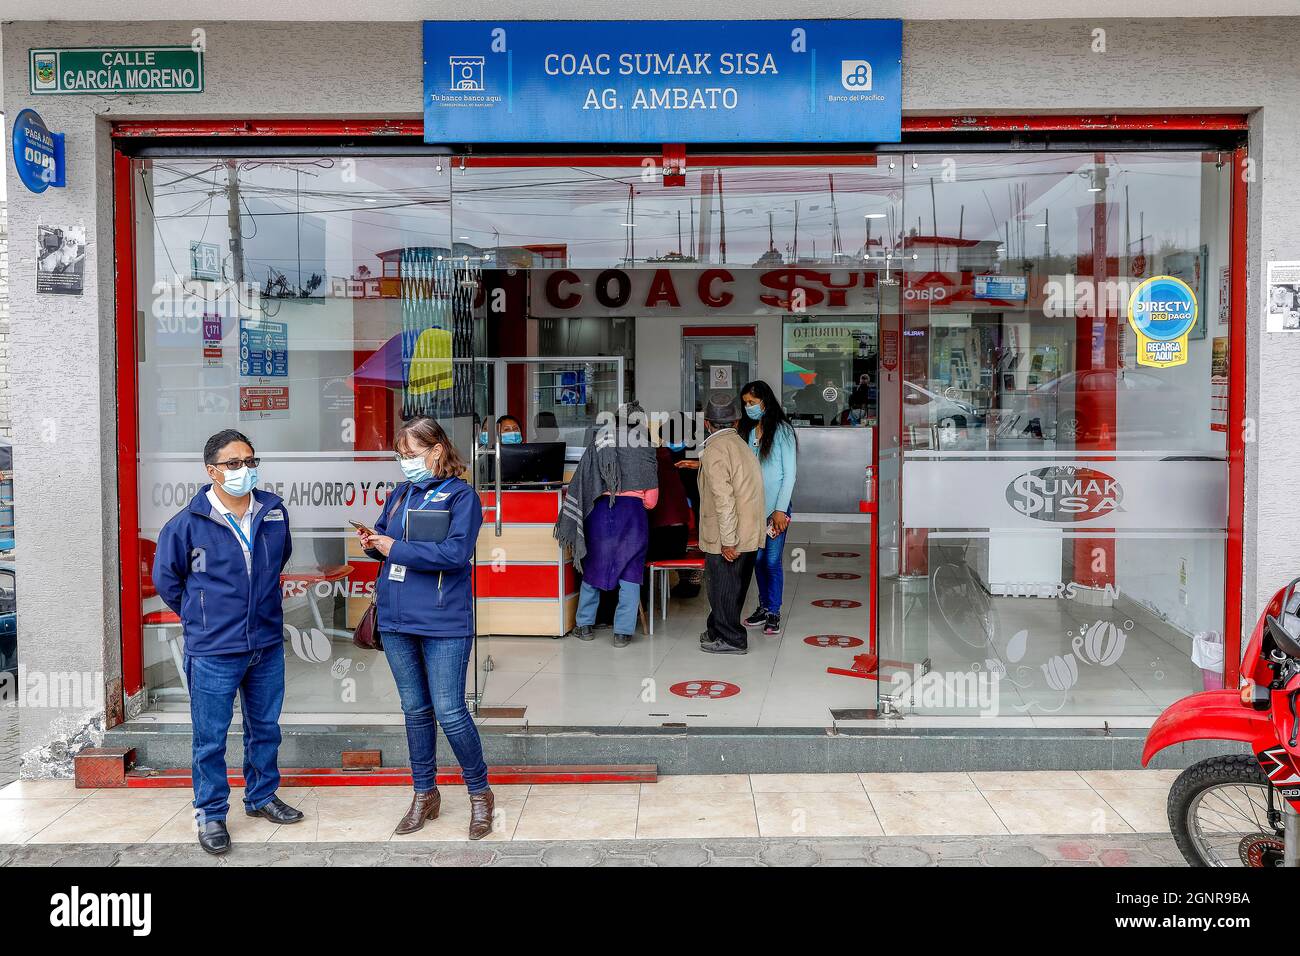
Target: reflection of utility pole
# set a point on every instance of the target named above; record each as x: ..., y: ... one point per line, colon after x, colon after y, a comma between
x: 234, y: 222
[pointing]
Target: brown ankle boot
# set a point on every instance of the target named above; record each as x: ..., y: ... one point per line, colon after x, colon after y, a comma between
x: 424, y: 806
x: 481, y: 806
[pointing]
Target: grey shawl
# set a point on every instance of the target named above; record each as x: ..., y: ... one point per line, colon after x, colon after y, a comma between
x: 618, y: 458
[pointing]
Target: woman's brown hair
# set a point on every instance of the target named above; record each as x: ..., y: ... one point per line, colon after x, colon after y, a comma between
x: 427, y: 432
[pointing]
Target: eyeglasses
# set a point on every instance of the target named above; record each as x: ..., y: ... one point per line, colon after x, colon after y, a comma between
x: 238, y: 463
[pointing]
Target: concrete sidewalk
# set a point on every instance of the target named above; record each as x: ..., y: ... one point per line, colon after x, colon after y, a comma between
x: 757, y: 807
x: 1138, y: 849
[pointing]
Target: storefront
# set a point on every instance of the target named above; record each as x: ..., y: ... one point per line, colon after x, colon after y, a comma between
x: 1016, y: 507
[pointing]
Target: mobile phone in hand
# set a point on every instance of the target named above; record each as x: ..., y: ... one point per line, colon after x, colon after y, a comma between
x: 360, y: 527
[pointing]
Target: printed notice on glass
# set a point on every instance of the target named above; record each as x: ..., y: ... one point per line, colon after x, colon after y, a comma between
x: 1282, y: 297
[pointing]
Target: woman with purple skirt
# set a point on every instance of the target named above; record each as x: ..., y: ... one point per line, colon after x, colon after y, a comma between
x: 603, y: 519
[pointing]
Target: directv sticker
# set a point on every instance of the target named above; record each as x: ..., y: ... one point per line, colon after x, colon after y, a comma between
x: 1162, y: 310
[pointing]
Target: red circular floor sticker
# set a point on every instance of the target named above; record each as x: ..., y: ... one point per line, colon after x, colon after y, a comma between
x: 711, y: 689
x: 839, y: 576
x: 836, y: 602
x: 841, y: 554
x: 833, y: 640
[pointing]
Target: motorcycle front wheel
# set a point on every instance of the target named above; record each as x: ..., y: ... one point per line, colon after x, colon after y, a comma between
x: 1219, y: 814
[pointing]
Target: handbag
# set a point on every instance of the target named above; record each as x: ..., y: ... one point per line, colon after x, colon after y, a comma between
x: 366, y: 634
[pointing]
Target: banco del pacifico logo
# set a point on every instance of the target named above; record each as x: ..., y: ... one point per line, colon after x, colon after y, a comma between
x: 466, y: 73
x: 1064, y: 493
x: 855, y: 75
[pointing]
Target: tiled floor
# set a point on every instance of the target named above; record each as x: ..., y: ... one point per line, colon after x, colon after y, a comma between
x: 731, y: 806
x: 783, y: 681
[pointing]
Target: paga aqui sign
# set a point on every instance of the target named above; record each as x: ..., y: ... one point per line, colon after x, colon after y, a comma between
x: 119, y: 69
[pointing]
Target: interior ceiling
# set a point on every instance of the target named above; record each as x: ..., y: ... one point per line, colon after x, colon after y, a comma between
x: 203, y: 11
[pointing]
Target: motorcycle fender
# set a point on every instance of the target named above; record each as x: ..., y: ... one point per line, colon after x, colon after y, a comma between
x: 1212, y: 715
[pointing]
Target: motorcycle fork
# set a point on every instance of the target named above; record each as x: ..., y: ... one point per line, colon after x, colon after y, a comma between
x: 1291, y: 834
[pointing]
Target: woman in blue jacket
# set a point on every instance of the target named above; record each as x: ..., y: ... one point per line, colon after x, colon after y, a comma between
x: 425, y: 595
x: 768, y: 430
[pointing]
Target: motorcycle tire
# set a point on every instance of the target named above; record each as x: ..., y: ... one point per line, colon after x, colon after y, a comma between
x: 1227, y: 770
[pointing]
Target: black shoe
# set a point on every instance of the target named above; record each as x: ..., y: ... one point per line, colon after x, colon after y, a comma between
x: 622, y: 640
x: 722, y: 647
x: 772, y: 626
x: 214, y: 837
x: 704, y: 637
x: 583, y: 632
x: 277, y: 811
x: 757, y: 619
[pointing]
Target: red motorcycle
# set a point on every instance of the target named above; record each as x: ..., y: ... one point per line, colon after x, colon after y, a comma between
x: 1242, y: 810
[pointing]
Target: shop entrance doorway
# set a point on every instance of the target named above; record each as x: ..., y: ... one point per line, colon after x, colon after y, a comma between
x: 715, y: 360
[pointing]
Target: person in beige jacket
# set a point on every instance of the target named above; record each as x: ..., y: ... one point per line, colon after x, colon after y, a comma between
x: 732, y: 524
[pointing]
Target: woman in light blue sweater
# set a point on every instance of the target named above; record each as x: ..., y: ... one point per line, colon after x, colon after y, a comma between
x: 768, y: 430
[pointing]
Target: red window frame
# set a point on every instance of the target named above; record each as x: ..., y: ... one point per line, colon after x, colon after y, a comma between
x: 126, y: 305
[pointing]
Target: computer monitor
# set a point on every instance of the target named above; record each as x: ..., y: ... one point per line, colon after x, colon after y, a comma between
x: 530, y: 463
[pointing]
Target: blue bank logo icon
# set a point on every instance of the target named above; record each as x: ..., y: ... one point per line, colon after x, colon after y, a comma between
x: 466, y: 73
x: 855, y: 75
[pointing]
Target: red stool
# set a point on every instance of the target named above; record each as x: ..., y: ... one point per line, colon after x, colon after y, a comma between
x: 689, y: 563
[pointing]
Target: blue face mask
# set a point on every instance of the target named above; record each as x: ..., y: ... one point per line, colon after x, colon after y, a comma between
x: 754, y: 411
x: 240, y: 481
x: 675, y: 445
x: 415, y: 469
x: 483, y: 438
x: 512, y: 438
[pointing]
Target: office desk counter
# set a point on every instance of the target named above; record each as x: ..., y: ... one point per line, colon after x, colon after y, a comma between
x: 524, y: 580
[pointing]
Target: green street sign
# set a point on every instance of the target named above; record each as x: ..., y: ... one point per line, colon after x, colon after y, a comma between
x: 118, y: 69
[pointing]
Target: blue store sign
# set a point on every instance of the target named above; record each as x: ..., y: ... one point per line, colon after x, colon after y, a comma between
x: 38, y: 153
x: 663, y: 81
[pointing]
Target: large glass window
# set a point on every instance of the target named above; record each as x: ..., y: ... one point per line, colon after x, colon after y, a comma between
x: 1061, y: 509
x: 310, y: 304
x: 1046, y: 514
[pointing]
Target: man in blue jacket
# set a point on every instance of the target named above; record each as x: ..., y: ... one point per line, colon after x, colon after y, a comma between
x: 218, y: 567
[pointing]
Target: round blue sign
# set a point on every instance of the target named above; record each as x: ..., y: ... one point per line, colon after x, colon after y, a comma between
x: 38, y: 153
x: 1162, y: 308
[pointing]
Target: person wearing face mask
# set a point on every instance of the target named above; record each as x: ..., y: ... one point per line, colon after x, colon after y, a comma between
x: 508, y: 430
x: 767, y: 429
x: 425, y: 599
x: 218, y: 567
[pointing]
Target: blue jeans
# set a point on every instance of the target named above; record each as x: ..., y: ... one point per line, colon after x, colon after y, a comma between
x: 430, y: 677
x: 258, y: 678
x: 770, y: 573
x: 629, y: 600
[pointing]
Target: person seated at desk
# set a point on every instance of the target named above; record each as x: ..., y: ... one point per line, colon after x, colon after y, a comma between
x: 855, y: 416
x: 508, y: 430
x: 603, y: 520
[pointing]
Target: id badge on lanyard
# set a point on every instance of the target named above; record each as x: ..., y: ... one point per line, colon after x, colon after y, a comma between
x: 230, y: 519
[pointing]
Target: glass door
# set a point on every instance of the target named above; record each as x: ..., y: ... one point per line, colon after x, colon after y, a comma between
x: 1056, y: 502
x: 714, y: 361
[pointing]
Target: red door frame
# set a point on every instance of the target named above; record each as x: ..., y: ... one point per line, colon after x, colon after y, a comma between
x: 126, y: 305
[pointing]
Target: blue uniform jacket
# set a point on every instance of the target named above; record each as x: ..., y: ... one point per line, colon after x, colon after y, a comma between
x: 435, y: 598
x: 200, y: 574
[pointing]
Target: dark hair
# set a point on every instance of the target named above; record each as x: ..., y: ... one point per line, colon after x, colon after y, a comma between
x: 428, y: 432
x: 774, y: 417
x: 509, y: 418
x: 219, y: 441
